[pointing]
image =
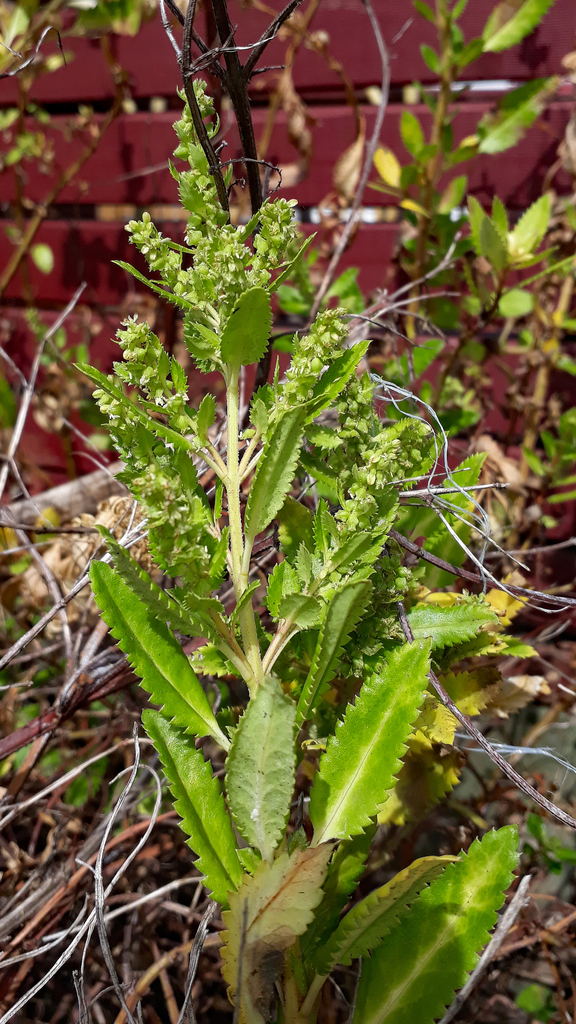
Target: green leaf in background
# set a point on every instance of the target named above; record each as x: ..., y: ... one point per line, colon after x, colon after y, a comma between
x: 411, y: 132
x: 537, y: 1001
x: 260, y: 768
x: 344, y: 611
x: 515, y: 303
x: 155, y: 655
x: 424, y: 355
x: 476, y: 214
x: 447, y: 626
x: 509, y: 23
x: 274, y: 472
x: 366, y: 924
x: 200, y: 804
x: 43, y: 257
x: 531, y: 228
x: 424, y: 10
x: 437, y: 944
x: 362, y: 758
x: 430, y: 58
x: 500, y: 217
x: 516, y: 112
x: 453, y: 194
x: 245, y: 335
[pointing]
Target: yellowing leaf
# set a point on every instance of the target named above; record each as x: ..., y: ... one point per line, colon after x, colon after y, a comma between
x: 505, y: 605
x: 48, y: 516
x: 444, y: 600
x: 435, y: 724
x: 387, y: 166
x: 516, y: 692
x: 426, y: 777
x: 269, y: 911
x: 410, y: 204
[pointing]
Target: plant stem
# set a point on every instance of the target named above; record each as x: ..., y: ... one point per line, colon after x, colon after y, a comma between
x: 308, y: 1010
x: 240, y: 555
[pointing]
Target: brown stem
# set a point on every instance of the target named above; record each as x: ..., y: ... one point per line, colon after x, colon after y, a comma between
x: 237, y: 88
x: 214, y: 165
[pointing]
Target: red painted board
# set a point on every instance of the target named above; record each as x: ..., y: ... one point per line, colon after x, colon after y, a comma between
x: 152, y: 70
x: 84, y: 250
x: 351, y: 42
x: 125, y: 167
x: 516, y: 175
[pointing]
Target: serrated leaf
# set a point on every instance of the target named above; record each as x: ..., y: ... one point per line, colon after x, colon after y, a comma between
x: 331, y: 383
x: 476, y: 214
x: 362, y: 758
x: 343, y: 875
x: 473, y: 691
x: 206, y: 415
x: 491, y: 245
x: 246, y: 333
x: 510, y: 23
x: 304, y: 611
x: 288, y: 271
x: 157, y: 601
x: 177, y: 300
x: 282, y: 582
x: 269, y: 911
x: 295, y: 527
x: 366, y: 924
x: 516, y: 112
x: 344, y: 611
x: 200, y: 804
x: 447, y: 626
x: 437, y: 944
x: 274, y: 472
x: 245, y: 599
x: 110, y: 388
x: 260, y: 768
x: 155, y: 655
x: 531, y: 228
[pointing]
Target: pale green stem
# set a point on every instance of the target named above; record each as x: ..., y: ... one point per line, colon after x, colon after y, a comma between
x: 252, y: 465
x: 231, y: 649
x: 285, y: 633
x: 218, y: 467
x: 307, y: 1014
x: 216, y: 463
x: 239, y: 555
x: 248, y: 455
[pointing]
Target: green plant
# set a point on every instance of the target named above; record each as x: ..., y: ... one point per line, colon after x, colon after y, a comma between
x: 334, y: 690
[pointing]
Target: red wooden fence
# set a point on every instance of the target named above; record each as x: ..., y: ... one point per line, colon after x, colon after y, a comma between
x: 129, y: 169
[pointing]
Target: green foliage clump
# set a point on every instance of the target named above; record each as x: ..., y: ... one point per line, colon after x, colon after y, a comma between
x: 322, y: 653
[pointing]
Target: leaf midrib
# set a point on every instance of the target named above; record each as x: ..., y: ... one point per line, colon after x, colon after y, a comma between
x: 419, y: 964
x: 354, y: 778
